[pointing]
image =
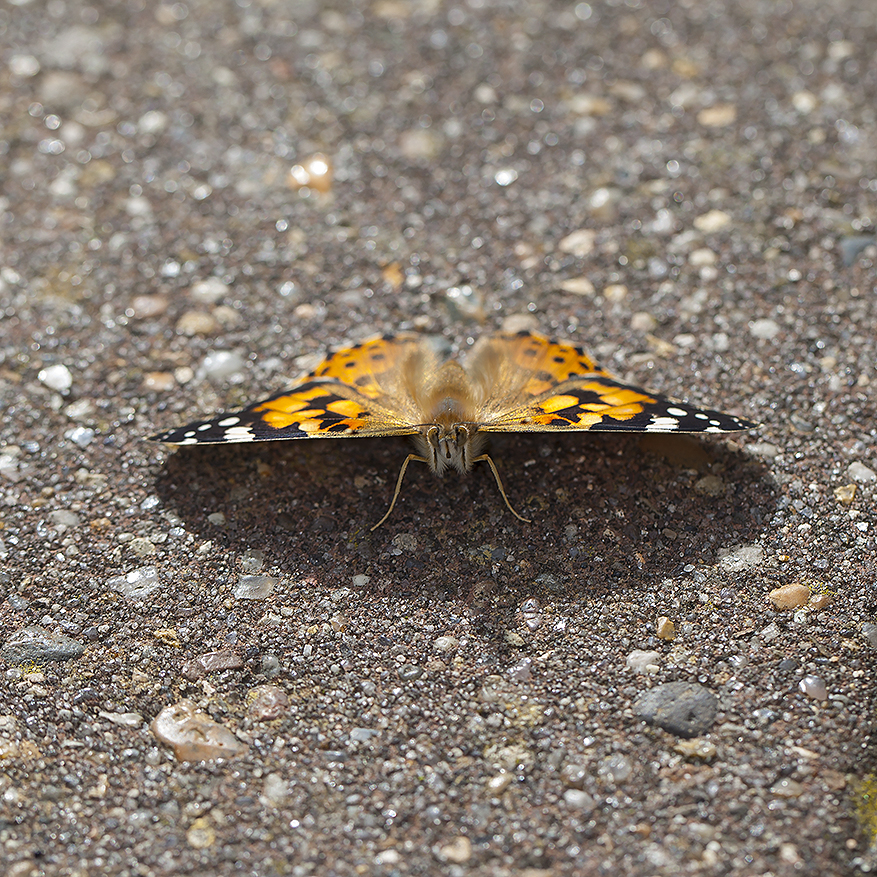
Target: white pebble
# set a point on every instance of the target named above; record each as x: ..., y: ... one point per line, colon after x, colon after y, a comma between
x: 219, y: 365
x: 255, y: 587
x: 641, y: 661
x: 861, y: 473
x: 57, y: 378
x: 137, y: 584
x: 814, y: 686
x: 765, y: 328
x: 208, y: 291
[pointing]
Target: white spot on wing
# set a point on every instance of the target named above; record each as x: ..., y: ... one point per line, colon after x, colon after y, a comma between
x: 663, y: 424
x: 228, y: 421
x: 677, y: 412
x: 238, y: 434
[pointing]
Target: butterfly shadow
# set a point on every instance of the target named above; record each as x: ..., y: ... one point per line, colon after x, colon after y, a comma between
x: 608, y: 513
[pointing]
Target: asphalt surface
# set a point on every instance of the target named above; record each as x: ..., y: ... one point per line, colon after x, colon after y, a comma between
x: 210, y: 665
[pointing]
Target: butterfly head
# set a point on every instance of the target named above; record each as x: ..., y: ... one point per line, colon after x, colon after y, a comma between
x: 449, y: 445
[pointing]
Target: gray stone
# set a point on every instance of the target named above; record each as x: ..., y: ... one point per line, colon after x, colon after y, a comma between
x: 685, y: 709
x: 36, y: 645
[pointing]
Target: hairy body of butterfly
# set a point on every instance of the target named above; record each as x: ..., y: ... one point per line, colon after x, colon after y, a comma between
x: 397, y: 385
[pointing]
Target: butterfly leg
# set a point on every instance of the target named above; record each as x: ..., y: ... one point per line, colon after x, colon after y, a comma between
x: 490, y: 463
x: 408, y: 459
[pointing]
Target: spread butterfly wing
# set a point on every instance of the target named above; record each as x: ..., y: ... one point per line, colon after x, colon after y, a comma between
x: 357, y: 391
x: 558, y: 387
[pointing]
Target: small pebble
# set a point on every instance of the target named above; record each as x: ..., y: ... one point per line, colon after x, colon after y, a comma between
x: 36, y: 645
x: 770, y: 633
x: 445, y: 643
x: 220, y: 365
x: 63, y: 519
x: 787, y: 788
x: 574, y: 775
x: 422, y: 144
x: 717, y: 116
x: 845, y: 494
x: 861, y: 473
x: 208, y: 291
x: 144, y: 307
x: 196, y: 323
x: 578, y: 286
x: 790, y: 596
x: 713, y: 221
x: 642, y: 321
x: 314, y: 172
x: 764, y: 329
x: 697, y: 747
x: 457, y: 852
x: 210, y: 662
x: 615, y: 769
x: 159, y: 382
x: 56, y: 377
x: 685, y: 709
x: 82, y: 436
x: 579, y: 243
x: 465, y: 303
x: 869, y: 631
x: 666, y: 629
x: 814, y: 686
x: 579, y: 800
x: 820, y: 601
x: 740, y: 558
x: 255, y: 587
x: 193, y: 735
x: 137, y: 584
x: 363, y: 735
x: 270, y: 666
x: 852, y: 246
x: 275, y: 790
x: 252, y: 561
x: 496, y: 785
x: 709, y: 485
x: 267, y: 702
x: 124, y: 720
x: 641, y: 661
x: 141, y: 546
x: 200, y: 834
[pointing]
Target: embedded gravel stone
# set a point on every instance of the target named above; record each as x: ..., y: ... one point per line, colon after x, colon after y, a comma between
x: 36, y: 645
x: 193, y: 735
x: 210, y: 662
x: 685, y: 709
x: 137, y: 584
x: 267, y: 702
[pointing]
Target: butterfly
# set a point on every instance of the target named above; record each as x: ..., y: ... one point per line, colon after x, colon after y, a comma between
x: 397, y: 385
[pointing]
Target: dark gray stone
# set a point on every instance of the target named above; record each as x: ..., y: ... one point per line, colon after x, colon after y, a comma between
x: 685, y: 709
x: 36, y: 645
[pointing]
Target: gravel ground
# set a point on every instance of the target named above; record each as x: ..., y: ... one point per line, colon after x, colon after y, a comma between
x: 211, y: 666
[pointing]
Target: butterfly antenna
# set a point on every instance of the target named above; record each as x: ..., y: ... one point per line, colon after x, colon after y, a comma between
x: 408, y: 459
x: 490, y: 463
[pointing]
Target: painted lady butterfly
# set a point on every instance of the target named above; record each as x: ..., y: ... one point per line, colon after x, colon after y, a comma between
x: 397, y: 385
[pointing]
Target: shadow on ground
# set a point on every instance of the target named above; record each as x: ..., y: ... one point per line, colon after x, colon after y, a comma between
x: 607, y: 512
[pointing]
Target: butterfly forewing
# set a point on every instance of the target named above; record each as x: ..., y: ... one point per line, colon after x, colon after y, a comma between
x: 356, y: 391
x: 558, y: 387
